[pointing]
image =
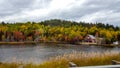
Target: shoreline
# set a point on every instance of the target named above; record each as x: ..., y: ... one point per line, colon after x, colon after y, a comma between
x: 30, y: 42
x: 16, y: 43
x: 57, y: 42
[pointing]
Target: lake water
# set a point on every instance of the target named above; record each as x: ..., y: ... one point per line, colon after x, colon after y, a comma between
x: 40, y: 52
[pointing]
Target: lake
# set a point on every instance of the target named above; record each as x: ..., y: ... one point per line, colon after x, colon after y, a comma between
x: 40, y: 52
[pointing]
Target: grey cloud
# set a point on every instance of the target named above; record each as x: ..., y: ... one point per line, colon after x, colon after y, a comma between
x: 10, y: 7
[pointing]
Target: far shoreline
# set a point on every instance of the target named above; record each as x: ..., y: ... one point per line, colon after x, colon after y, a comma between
x: 30, y: 42
x: 56, y: 42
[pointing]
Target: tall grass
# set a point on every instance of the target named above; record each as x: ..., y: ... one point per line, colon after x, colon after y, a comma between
x: 9, y: 65
x: 83, y: 59
x: 79, y: 58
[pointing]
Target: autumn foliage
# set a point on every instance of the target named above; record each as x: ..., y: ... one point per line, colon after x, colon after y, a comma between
x: 57, y: 30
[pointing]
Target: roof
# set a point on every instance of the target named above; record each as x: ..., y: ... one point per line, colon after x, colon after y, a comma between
x: 91, y: 36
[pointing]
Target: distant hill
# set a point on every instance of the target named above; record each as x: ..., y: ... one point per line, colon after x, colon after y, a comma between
x: 58, y: 22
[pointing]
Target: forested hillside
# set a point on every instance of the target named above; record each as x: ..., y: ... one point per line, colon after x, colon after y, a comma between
x: 57, y: 30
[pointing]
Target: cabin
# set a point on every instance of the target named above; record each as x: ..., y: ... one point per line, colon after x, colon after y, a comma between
x: 90, y: 38
x: 116, y: 43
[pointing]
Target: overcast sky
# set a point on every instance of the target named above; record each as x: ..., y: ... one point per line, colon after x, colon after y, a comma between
x: 106, y: 11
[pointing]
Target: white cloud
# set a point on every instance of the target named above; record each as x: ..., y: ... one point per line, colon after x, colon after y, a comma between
x: 106, y: 16
x: 95, y: 16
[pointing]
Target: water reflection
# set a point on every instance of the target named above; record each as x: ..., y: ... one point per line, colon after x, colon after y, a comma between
x: 40, y: 52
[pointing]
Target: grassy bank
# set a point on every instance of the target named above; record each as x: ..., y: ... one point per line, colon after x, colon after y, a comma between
x: 31, y: 42
x: 79, y: 58
x: 16, y: 43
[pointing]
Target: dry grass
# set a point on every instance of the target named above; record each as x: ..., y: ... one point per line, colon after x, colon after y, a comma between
x: 9, y: 65
x: 79, y: 58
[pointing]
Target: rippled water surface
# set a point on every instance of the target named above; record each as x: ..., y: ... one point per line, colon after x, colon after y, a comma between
x: 40, y: 52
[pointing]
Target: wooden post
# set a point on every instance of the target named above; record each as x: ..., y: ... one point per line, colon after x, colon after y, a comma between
x: 71, y: 64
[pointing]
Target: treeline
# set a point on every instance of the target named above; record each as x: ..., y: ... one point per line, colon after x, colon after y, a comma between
x: 57, y: 30
x: 64, y: 23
